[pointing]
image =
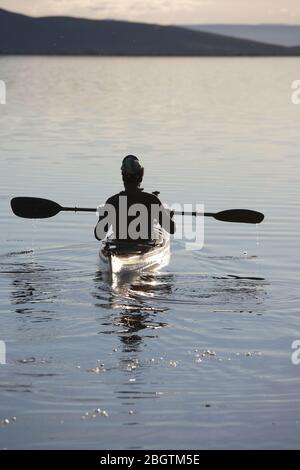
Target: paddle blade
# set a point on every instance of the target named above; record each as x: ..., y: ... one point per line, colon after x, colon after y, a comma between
x: 34, y: 208
x: 240, y: 216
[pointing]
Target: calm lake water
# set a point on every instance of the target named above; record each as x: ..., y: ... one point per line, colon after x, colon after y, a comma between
x: 197, y: 356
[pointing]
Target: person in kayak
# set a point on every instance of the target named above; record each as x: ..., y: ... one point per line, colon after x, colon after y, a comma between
x: 133, y: 213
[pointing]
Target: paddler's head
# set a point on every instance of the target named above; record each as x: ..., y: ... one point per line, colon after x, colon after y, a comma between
x: 132, y: 172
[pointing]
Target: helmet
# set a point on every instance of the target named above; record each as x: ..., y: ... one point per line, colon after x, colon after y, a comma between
x: 132, y: 169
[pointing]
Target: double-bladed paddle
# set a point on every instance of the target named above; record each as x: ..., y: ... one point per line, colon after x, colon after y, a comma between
x: 37, y: 208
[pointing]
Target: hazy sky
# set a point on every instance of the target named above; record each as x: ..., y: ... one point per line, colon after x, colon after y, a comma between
x: 166, y: 11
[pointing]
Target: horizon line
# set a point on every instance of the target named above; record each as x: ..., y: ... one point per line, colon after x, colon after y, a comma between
x: 144, y: 21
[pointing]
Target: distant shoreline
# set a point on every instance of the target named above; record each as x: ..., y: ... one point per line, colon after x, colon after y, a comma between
x: 66, y: 36
x: 153, y: 56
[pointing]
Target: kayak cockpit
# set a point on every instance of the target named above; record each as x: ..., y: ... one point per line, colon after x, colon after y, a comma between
x: 124, y: 255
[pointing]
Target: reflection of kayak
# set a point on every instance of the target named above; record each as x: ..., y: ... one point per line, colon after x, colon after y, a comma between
x: 130, y: 256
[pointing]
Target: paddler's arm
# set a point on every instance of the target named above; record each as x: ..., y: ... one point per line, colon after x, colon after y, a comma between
x: 101, y: 228
x: 166, y: 219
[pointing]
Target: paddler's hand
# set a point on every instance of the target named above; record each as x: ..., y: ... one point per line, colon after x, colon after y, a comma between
x: 170, y: 213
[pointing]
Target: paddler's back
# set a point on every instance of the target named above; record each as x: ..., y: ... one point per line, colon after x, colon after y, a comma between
x: 130, y: 217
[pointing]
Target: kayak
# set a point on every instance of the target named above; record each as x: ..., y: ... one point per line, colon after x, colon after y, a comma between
x: 130, y: 256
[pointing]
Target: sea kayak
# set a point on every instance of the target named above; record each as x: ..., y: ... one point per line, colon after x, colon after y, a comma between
x: 131, y: 256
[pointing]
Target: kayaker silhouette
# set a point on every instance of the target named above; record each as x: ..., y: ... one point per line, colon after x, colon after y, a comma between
x: 133, y: 213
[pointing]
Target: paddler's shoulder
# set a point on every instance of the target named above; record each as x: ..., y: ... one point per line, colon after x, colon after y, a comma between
x: 155, y: 198
x: 115, y: 198
x: 139, y: 195
x: 148, y: 198
x: 152, y: 198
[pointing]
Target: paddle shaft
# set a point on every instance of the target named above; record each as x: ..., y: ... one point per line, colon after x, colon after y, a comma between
x: 78, y: 209
x: 225, y: 216
x: 88, y: 209
x: 194, y: 214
